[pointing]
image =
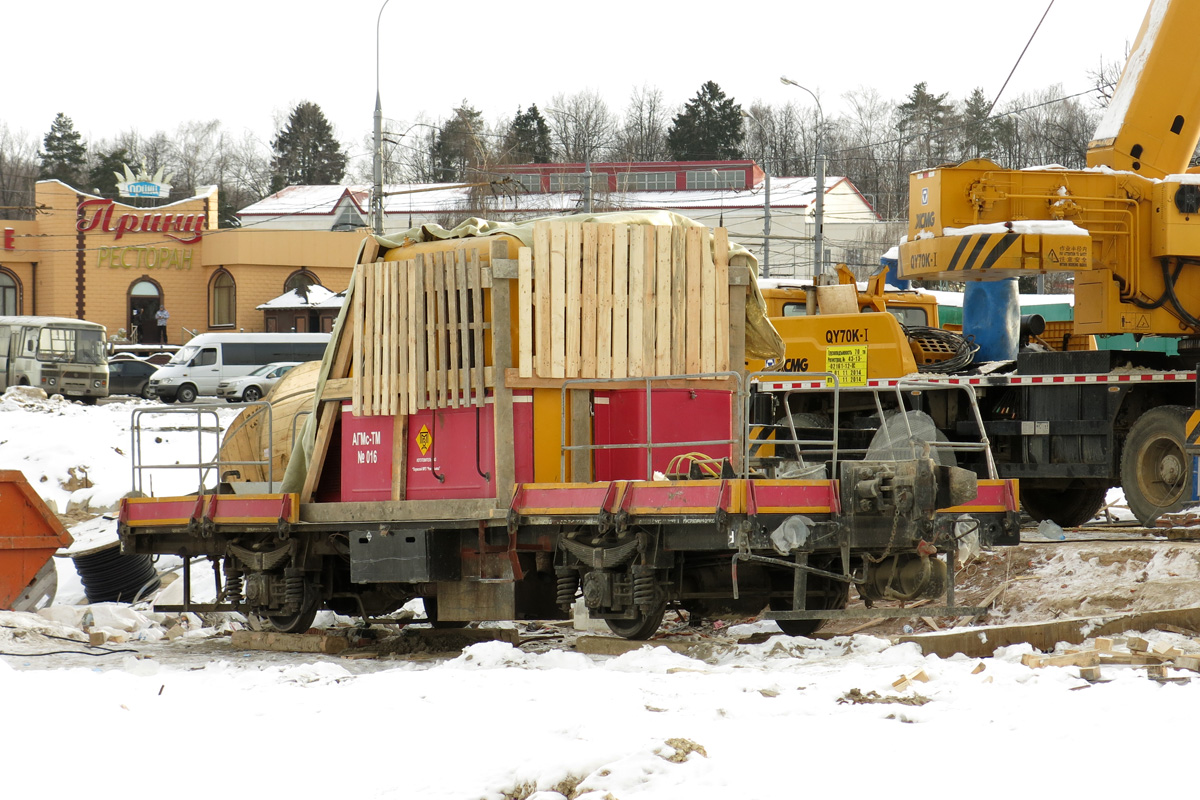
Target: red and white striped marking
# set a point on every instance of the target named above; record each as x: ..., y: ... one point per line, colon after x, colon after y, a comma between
x: 989, y: 380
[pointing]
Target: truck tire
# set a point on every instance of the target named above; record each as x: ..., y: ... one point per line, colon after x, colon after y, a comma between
x: 1069, y: 506
x: 187, y: 394
x: 1155, y: 471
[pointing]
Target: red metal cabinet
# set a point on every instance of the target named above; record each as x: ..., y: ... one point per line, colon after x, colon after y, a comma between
x: 678, y: 415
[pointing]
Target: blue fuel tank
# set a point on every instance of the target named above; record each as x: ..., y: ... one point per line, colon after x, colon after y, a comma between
x: 992, y: 315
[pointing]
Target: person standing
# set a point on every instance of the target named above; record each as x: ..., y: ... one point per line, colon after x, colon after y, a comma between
x: 161, y: 316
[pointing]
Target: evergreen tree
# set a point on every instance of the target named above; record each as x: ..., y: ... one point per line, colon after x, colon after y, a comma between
x: 306, y: 152
x: 978, y: 131
x: 528, y: 138
x: 458, y: 147
x: 63, y: 155
x: 102, y: 177
x: 926, y: 118
x: 709, y: 127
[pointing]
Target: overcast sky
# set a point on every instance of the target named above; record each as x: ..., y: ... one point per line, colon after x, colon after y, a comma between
x: 153, y: 65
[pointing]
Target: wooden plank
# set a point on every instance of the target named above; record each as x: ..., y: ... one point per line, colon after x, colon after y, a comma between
x: 403, y: 292
x: 737, y: 354
x: 580, y: 432
x: 475, y: 277
x: 463, y: 326
x: 400, y: 457
x: 587, y: 367
x: 662, y: 336
x: 326, y: 416
x: 708, y: 307
x: 694, y: 242
x: 721, y: 286
x: 356, y: 309
x: 369, y: 338
x: 425, y: 343
x: 650, y: 306
x: 679, y: 288
x: 636, y: 297
x: 443, y: 327
x: 452, y: 353
x: 524, y: 311
x: 573, y: 289
x: 515, y: 381
x: 505, y: 466
x: 289, y: 642
x: 620, y: 295
x: 416, y: 304
x: 558, y: 300
x: 541, y: 317
x: 389, y: 345
x: 604, y: 291
x: 377, y: 378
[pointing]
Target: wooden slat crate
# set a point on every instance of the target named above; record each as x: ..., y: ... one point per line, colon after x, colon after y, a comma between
x: 615, y: 301
x: 418, y: 334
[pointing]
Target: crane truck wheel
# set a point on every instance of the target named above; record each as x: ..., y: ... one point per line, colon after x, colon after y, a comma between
x: 1155, y: 472
x: 1069, y: 506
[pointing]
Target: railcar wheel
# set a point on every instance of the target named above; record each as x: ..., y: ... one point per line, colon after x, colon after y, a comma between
x: 1068, y: 506
x: 641, y: 627
x: 1155, y: 471
x: 824, y: 594
x: 302, y: 618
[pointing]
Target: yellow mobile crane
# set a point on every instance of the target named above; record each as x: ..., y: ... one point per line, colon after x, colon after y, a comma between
x: 1071, y: 424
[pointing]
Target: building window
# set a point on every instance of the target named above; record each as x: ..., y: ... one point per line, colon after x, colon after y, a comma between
x: 529, y: 183
x: 348, y: 218
x: 10, y: 294
x: 716, y: 179
x: 645, y: 181
x: 301, y: 280
x: 574, y: 182
x: 222, y: 301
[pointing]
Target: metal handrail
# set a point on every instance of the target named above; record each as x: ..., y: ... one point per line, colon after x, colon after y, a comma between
x: 202, y: 466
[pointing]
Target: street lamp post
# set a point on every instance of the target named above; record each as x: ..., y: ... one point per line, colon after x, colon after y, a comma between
x: 377, y: 192
x: 819, y: 211
x: 766, y: 249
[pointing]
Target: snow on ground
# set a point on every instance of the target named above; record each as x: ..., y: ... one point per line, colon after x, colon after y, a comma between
x: 190, y: 717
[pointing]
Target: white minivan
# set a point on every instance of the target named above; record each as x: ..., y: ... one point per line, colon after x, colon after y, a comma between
x: 201, y: 364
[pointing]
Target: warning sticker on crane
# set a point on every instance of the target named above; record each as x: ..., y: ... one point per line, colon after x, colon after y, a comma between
x: 849, y: 364
x: 424, y: 439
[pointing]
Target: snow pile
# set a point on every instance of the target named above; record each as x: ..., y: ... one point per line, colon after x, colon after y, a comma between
x: 78, y: 457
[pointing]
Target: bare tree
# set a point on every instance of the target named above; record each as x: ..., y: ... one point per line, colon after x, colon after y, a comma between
x: 581, y: 125
x: 643, y: 132
x: 18, y: 173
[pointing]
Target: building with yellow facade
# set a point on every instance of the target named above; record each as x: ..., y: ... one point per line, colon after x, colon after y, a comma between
x: 92, y: 258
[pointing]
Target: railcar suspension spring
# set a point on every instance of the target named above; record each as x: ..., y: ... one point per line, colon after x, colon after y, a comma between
x: 294, y: 587
x: 567, y: 586
x: 233, y: 587
x: 644, y: 588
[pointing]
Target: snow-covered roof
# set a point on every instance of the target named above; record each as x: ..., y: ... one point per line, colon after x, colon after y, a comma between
x: 317, y: 297
x: 786, y: 192
x: 315, y: 200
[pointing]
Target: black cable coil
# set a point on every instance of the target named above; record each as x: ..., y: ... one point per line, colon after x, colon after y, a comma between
x: 964, y: 348
x: 110, y: 577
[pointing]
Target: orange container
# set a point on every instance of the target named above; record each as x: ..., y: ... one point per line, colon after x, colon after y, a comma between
x: 29, y: 535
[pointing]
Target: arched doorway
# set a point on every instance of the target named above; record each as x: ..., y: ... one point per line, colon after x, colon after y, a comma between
x: 145, y: 298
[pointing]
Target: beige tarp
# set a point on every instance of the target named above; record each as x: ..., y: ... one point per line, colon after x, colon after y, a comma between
x: 762, y: 340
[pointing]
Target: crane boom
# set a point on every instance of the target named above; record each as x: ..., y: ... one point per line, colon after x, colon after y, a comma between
x: 1152, y: 125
